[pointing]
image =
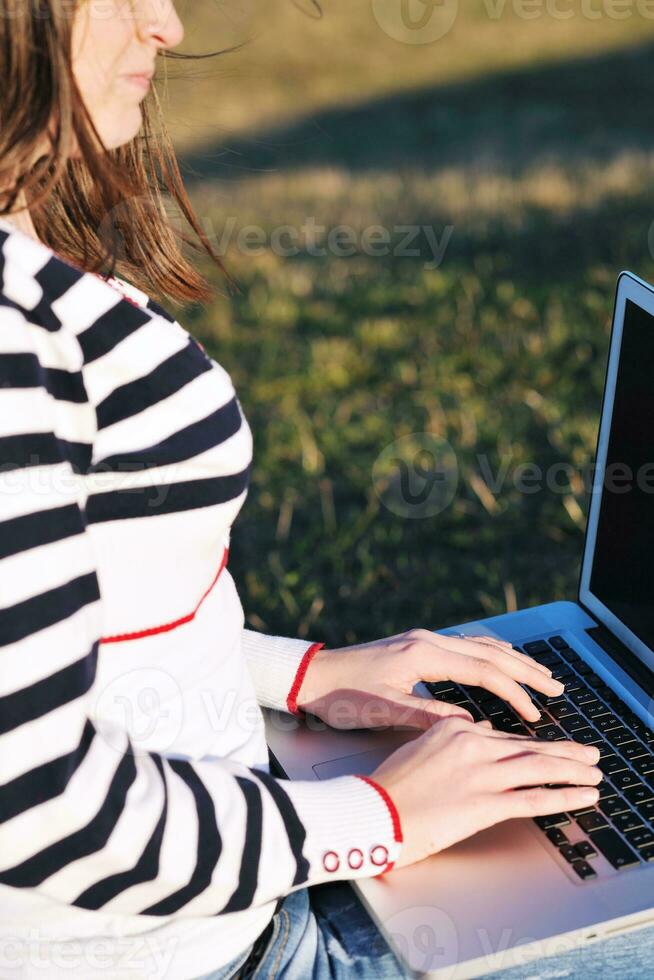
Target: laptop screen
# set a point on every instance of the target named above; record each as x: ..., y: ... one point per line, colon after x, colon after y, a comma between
x: 622, y: 572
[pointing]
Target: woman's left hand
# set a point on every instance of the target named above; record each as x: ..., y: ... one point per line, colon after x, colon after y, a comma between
x: 370, y: 685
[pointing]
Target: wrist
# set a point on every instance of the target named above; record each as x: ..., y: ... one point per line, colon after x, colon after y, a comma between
x: 304, y: 682
x: 314, y: 682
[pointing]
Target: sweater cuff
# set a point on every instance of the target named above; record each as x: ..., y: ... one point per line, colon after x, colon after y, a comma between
x: 278, y: 665
x: 352, y: 828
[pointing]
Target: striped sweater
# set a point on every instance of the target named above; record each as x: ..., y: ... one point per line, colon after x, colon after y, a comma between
x: 141, y: 833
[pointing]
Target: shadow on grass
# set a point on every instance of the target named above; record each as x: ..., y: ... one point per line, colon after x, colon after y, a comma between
x: 583, y: 110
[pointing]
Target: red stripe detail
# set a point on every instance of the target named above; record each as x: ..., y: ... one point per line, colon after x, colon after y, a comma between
x: 291, y: 700
x: 395, y: 817
x: 165, y: 627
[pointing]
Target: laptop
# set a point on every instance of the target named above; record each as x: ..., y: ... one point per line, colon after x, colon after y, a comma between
x: 527, y: 888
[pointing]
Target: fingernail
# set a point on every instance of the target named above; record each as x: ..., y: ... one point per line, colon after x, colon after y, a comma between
x: 592, y: 752
x: 558, y: 685
x: 590, y: 795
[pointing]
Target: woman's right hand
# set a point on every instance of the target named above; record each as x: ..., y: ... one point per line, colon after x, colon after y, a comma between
x: 460, y: 777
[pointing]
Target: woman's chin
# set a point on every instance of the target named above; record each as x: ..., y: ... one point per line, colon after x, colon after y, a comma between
x: 124, y: 126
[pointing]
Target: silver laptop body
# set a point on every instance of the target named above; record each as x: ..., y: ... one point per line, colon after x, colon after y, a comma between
x: 508, y: 895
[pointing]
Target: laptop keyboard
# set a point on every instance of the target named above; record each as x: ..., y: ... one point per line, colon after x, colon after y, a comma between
x: 620, y: 826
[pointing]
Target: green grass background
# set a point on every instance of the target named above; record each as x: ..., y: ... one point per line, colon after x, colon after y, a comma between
x: 533, y: 139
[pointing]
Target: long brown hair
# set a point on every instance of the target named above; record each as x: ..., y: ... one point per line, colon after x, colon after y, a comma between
x: 105, y: 211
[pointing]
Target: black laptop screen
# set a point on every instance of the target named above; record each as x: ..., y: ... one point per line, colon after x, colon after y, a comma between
x: 622, y: 576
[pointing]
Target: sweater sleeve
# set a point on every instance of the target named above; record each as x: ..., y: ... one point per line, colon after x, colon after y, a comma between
x: 278, y: 665
x: 86, y: 817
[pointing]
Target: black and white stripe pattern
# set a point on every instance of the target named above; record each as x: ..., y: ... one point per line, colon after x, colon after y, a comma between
x: 97, y: 392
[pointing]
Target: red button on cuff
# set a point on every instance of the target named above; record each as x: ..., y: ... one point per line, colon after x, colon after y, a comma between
x: 355, y: 858
x: 379, y: 855
x: 331, y: 861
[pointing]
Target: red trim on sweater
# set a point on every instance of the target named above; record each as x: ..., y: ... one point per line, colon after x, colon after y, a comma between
x: 395, y: 816
x: 291, y: 700
x: 165, y: 627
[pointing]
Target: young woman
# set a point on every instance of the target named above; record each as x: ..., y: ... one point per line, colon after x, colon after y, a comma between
x: 141, y: 833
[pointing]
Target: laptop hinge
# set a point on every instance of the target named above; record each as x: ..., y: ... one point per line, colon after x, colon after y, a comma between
x: 624, y: 658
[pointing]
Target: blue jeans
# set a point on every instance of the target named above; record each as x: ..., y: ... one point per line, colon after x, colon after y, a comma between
x: 321, y: 933
x: 324, y: 933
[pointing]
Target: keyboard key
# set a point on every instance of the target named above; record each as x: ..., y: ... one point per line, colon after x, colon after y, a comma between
x: 634, y: 750
x: 620, y: 736
x: 557, y: 837
x: 583, y: 668
x: 476, y: 712
x: 439, y: 688
x: 573, y: 723
x: 644, y: 765
x: 612, y: 807
x: 614, y: 849
x: 572, y: 657
x: 606, y: 791
x: 505, y: 722
x: 495, y: 707
x: 478, y: 693
x: 583, y: 697
x: 614, y: 701
x: 621, y: 780
x: 455, y: 696
x: 542, y: 722
x: 639, y: 794
x: 583, y: 809
x: 536, y: 647
x: 569, y: 853
x: 558, y: 642
x: 595, y: 710
x: 611, y: 764
x: 547, y: 700
x: 627, y: 821
x: 592, y: 821
x: 551, y: 733
x: 646, y: 810
x: 562, y: 710
x: 647, y: 853
x: 640, y: 837
x: 573, y: 685
x: 553, y: 820
x: 608, y: 723
x: 585, y: 850
x: 584, y: 870
x: 586, y: 736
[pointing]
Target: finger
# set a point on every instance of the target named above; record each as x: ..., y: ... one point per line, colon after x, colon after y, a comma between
x: 512, y: 652
x: 522, y: 668
x: 519, y: 670
x: 534, y: 769
x: 414, y: 712
x: 479, y: 672
x: 454, y: 642
x: 512, y: 744
x: 538, y: 802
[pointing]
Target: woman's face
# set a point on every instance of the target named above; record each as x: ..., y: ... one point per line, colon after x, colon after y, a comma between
x: 114, y: 46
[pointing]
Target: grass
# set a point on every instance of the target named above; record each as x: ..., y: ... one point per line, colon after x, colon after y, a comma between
x: 529, y: 140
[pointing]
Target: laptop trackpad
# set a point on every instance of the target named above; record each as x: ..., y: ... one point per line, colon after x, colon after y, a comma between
x: 361, y: 763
